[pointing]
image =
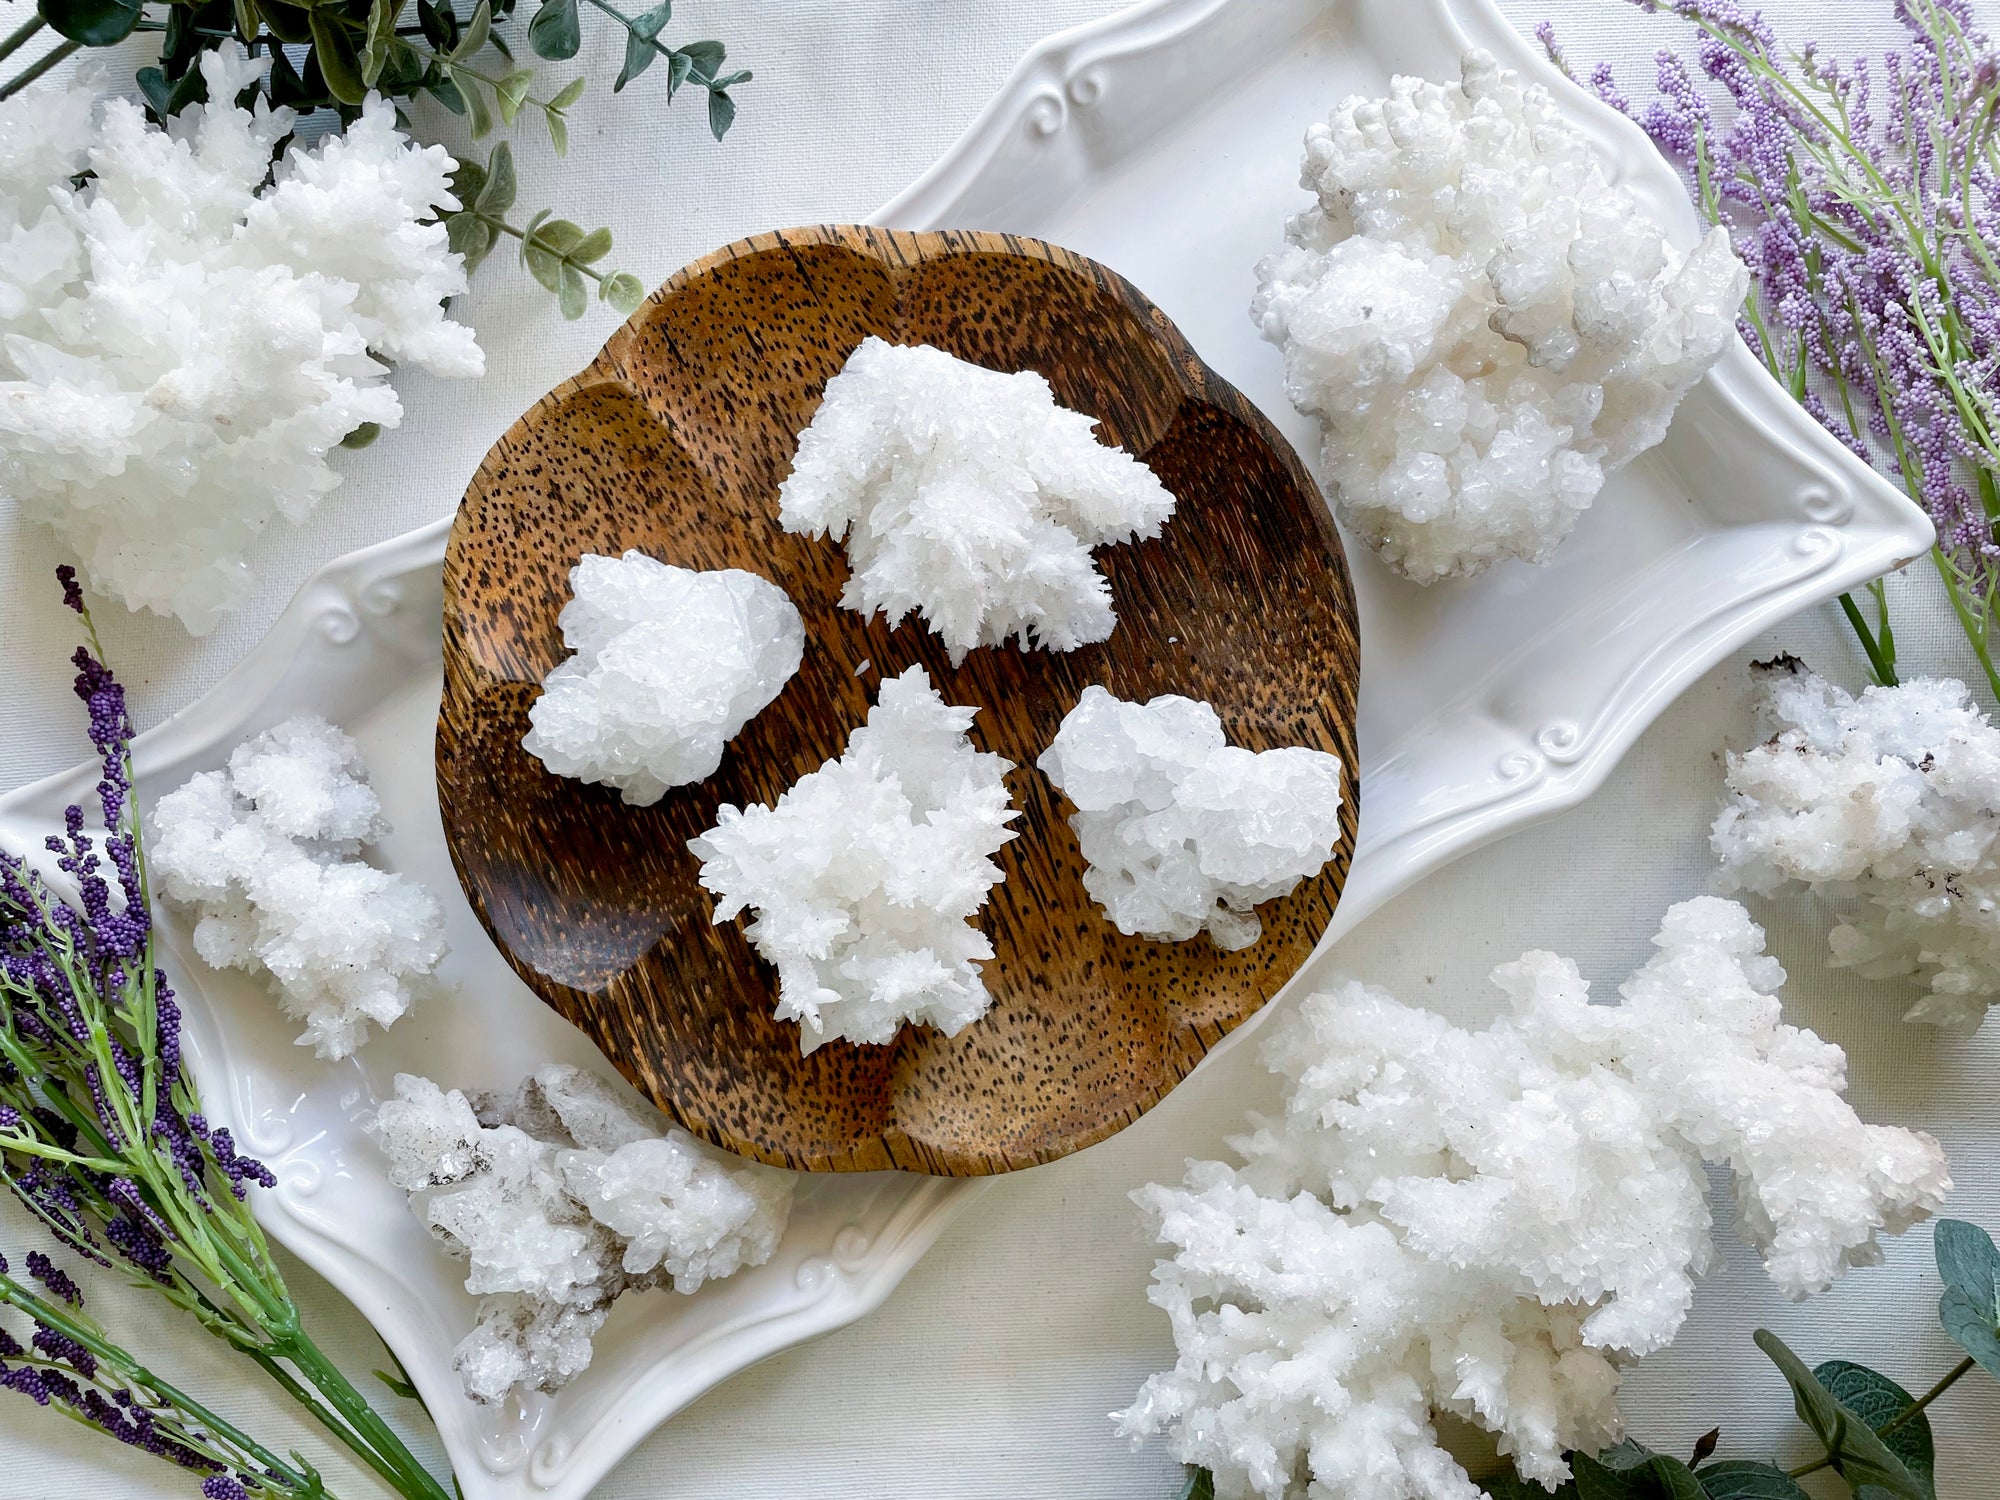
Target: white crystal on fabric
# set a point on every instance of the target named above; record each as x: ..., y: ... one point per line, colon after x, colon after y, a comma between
x: 561, y: 1199
x: 266, y: 854
x: 1495, y: 1223
x: 669, y: 665
x: 868, y: 875
x: 969, y: 496
x: 181, y: 344
x: 1484, y: 324
x: 1888, y: 805
x: 1182, y: 832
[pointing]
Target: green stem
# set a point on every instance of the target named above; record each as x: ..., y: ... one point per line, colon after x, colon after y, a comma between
x: 505, y: 228
x: 19, y: 36
x: 35, y: 70
x: 1950, y: 1379
x: 378, y: 1445
x: 1878, y: 663
x: 1974, y: 630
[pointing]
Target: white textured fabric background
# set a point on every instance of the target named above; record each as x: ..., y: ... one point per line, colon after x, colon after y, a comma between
x: 990, y: 1370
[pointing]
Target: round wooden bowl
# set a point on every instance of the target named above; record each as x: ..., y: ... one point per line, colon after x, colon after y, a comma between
x: 674, y: 442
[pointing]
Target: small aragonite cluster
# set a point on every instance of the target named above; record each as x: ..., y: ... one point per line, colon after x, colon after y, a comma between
x: 1888, y: 805
x: 1485, y: 325
x: 867, y: 874
x: 968, y: 496
x: 1181, y: 831
x: 561, y: 1198
x: 266, y: 854
x: 1495, y: 1223
x: 669, y: 664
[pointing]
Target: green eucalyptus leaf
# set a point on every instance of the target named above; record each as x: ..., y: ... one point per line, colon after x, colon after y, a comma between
x: 382, y: 18
x: 542, y: 263
x: 569, y: 93
x: 558, y: 131
x: 153, y: 84
x: 498, y: 40
x: 592, y: 248
x: 478, y: 31
x: 437, y: 31
x: 478, y: 115
x: 705, y: 58
x: 1511, y: 1486
x: 729, y: 81
x: 512, y: 91
x: 1736, y: 1479
x: 721, y: 113
x: 497, y: 196
x: 1860, y: 1457
x: 623, y: 291
x: 339, y: 61
x: 362, y: 436
x: 679, y: 66
x: 286, y: 86
x: 444, y: 89
x: 1967, y: 1259
x: 1972, y: 1327
x: 404, y: 73
x: 574, y: 297
x: 560, y: 235
x: 247, y: 22
x: 639, y: 55
x: 1631, y: 1472
x: 94, y: 23
x: 471, y: 236
x: 650, y: 23
x: 288, y: 23
x: 554, y: 32
x: 1200, y: 1485
x: 1878, y: 1401
x: 468, y: 179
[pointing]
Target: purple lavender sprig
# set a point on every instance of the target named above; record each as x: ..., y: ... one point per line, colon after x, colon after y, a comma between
x: 103, y: 1139
x: 1865, y: 199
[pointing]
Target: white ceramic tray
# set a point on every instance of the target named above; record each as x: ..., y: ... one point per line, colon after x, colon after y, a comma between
x: 1162, y: 141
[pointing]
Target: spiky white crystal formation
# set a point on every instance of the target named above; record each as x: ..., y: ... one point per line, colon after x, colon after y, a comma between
x: 1494, y: 1223
x: 266, y: 855
x: 867, y: 875
x: 969, y: 496
x: 181, y: 345
x: 562, y: 1198
x: 1181, y: 831
x: 669, y: 665
x: 1485, y: 326
x: 1889, y: 806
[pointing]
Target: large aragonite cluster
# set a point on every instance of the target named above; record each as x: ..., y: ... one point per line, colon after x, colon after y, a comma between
x: 1495, y: 1223
x: 867, y: 875
x: 1888, y: 805
x: 669, y: 664
x: 968, y: 496
x: 561, y: 1198
x: 1182, y: 832
x: 1485, y: 324
x: 266, y: 854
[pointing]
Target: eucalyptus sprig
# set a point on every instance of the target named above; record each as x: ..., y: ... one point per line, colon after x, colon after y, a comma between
x: 559, y: 254
x: 556, y: 33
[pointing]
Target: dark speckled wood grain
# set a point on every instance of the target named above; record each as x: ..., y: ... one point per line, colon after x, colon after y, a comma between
x: 674, y: 441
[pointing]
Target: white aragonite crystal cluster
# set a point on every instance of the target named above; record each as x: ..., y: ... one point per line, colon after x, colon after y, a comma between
x: 266, y: 854
x: 1495, y: 1223
x: 1181, y: 831
x: 1889, y: 806
x: 969, y: 496
x: 868, y: 874
x: 181, y: 344
x: 669, y: 665
x: 1483, y: 323
x: 561, y: 1199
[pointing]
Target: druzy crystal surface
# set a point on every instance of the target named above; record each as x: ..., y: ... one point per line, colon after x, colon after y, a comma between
x: 266, y: 854
x: 1181, y: 831
x: 668, y: 665
x: 561, y: 1197
x: 1495, y: 1223
x: 969, y: 496
x: 868, y: 874
x: 1485, y: 325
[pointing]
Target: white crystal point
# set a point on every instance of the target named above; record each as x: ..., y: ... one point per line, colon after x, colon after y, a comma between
x: 1181, y: 832
x: 1496, y: 1223
x: 266, y: 855
x: 1888, y: 806
x: 868, y: 874
x: 1484, y: 324
x: 969, y: 496
x: 562, y: 1197
x: 669, y: 665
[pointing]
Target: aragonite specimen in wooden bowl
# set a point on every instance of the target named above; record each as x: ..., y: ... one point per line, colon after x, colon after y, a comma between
x: 674, y: 442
